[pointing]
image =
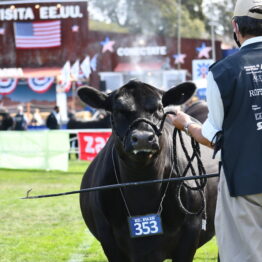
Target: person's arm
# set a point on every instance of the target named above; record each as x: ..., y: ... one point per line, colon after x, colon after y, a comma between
x: 183, y: 122
x: 205, y: 133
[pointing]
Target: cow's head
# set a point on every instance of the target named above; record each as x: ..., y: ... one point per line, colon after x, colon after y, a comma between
x: 133, y: 101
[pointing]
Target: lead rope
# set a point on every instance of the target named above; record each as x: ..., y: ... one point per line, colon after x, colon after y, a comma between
x: 122, y: 194
x: 200, y: 187
x: 164, y: 195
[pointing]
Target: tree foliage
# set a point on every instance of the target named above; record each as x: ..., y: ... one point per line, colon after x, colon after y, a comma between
x: 153, y: 16
x: 220, y: 14
x: 161, y: 16
x: 194, y: 8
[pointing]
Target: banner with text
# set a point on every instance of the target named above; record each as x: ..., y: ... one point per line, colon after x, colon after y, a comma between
x: 91, y: 143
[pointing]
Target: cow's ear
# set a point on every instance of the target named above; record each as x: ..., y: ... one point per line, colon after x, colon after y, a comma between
x: 178, y: 94
x: 94, y: 97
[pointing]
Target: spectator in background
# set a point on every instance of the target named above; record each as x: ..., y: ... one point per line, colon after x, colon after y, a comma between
x: 37, y: 119
x: 6, y: 121
x: 73, y: 154
x: 20, y: 120
x: 53, y: 121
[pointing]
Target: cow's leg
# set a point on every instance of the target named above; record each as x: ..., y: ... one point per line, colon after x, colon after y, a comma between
x: 109, y: 245
x: 113, y: 253
x: 188, y: 243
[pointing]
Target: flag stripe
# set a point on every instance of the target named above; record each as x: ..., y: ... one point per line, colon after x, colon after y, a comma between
x: 39, y: 38
x: 44, y: 23
x: 47, y: 32
x: 40, y: 45
x: 38, y: 41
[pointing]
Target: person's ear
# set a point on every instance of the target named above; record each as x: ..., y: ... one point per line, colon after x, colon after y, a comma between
x: 236, y: 34
x: 235, y: 27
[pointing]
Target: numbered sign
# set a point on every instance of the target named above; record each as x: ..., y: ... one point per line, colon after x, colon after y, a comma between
x: 91, y: 143
x: 143, y: 226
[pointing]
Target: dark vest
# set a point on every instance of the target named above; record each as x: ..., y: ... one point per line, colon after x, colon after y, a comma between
x: 20, y: 122
x: 239, y: 78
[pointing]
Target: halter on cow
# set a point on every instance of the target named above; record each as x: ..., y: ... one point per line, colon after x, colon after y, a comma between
x: 145, y: 223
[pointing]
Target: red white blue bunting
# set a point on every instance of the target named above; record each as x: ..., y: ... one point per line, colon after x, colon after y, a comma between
x: 7, y: 85
x: 40, y: 84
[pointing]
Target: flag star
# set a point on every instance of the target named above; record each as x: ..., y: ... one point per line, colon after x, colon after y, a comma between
x: 75, y: 28
x: 203, y: 50
x: 179, y: 58
x: 107, y: 45
x: 2, y: 31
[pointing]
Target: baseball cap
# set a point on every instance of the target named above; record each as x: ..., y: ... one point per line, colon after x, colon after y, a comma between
x: 247, y: 7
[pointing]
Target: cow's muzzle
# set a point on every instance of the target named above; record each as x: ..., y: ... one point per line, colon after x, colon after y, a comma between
x: 143, y: 142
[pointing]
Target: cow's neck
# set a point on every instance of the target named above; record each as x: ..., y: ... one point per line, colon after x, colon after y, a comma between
x: 144, y: 199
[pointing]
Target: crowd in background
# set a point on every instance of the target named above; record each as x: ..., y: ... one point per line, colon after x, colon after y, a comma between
x: 21, y: 120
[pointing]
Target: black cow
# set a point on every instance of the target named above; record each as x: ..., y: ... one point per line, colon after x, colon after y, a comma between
x: 135, y: 152
x: 102, y: 120
x: 198, y: 110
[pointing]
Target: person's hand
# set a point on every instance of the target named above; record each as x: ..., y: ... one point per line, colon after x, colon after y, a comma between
x: 180, y: 119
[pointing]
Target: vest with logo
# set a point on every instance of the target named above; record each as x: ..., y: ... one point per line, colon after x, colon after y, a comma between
x: 239, y: 78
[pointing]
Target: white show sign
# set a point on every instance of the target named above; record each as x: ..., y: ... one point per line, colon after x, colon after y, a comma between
x: 11, y: 72
x: 200, y: 68
x: 45, y: 12
x: 142, y: 51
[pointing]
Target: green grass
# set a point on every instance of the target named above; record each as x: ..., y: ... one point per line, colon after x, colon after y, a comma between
x: 51, y: 229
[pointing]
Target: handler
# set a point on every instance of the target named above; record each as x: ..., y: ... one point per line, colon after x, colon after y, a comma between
x: 234, y: 98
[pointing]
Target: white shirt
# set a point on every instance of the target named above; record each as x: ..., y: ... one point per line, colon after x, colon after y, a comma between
x: 215, y: 118
x: 58, y: 117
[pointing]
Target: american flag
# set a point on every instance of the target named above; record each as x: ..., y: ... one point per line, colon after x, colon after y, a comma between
x: 37, y: 34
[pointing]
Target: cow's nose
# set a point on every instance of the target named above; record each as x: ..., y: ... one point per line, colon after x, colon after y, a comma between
x: 142, y: 139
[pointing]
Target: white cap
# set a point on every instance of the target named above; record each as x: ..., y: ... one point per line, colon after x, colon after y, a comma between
x: 243, y: 8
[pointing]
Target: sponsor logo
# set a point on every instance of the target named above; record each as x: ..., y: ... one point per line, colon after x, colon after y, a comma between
x: 258, y: 116
x: 259, y: 126
x: 256, y: 107
x: 255, y: 92
x: 252, y: 68
x: 257, y: 78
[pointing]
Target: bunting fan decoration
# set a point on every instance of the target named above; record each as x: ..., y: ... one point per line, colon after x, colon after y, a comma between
x: 7, y: 85
x: 40, y: 84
